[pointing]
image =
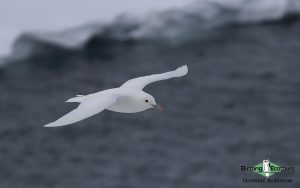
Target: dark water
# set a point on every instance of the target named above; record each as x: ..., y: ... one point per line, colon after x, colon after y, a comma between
x: 238, y: 105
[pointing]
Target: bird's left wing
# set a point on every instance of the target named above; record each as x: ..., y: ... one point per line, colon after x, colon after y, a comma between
x: 141, y: 82
x: 86, y: 109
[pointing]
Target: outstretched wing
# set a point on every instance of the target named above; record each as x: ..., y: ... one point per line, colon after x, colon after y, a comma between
x: 86, y: 109
x: 141, y: 82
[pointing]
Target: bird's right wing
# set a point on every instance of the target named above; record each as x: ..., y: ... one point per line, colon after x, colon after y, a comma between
x: 141, y: 82
x: 86, y: 109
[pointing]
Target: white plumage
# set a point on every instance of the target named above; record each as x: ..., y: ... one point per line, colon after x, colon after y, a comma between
x: 129, y: 98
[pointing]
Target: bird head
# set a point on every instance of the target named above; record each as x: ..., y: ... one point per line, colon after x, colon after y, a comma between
x: 150, y: 102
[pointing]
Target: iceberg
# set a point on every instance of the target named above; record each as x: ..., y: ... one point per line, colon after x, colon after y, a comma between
x: 198, y: 20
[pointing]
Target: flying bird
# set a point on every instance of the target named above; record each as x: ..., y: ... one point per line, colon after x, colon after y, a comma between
x: 128, y: 98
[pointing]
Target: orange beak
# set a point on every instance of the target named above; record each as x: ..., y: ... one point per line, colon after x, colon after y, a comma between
x: 157, y: 106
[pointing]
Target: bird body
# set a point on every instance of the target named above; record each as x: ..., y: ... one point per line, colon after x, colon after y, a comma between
x: 130, y: 101
x: 129, y: 98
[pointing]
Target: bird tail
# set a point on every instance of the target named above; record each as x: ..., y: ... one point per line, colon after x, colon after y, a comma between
x: 78, y: 98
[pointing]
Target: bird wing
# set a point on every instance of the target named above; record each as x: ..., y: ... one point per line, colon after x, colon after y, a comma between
x: 141, y: 82
x: 86, y: 109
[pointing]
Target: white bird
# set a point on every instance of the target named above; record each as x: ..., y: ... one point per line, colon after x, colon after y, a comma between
x: 128, y: 98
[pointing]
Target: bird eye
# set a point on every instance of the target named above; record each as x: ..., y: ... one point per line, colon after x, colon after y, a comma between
x: 146, y: 101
